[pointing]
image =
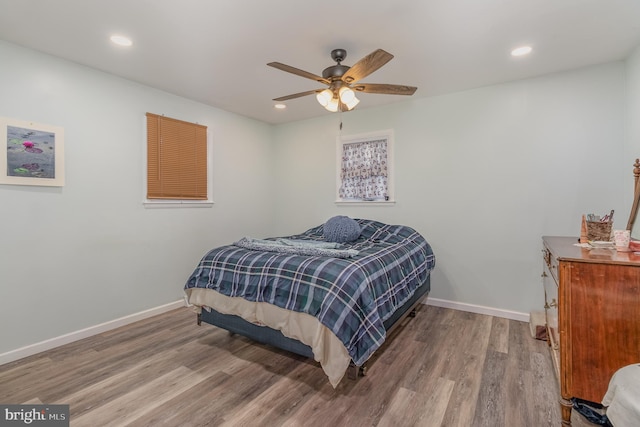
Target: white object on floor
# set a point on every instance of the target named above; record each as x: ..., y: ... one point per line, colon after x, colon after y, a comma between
x: 622, y: 398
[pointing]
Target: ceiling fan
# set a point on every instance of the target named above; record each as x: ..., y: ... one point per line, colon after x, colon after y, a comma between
x: 343, y: 80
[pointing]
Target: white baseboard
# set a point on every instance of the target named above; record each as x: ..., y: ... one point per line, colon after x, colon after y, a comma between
x: 32, y: 349
x: 479, y: 309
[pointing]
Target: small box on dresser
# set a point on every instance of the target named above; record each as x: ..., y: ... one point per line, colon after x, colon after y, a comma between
x: 592, y: 307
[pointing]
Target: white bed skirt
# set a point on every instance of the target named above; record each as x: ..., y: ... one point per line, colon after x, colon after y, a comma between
x: 327, y: 349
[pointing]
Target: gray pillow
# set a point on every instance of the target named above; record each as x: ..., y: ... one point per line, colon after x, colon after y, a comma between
x: 341, y: 229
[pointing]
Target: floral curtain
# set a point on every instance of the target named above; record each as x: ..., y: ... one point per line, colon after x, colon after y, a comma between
x: 364, y: 170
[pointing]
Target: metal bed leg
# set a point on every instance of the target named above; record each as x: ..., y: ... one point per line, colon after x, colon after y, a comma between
x: 353, y: 372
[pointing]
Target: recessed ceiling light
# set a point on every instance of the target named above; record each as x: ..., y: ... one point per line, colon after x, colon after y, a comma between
x: 280, y: 106
x: 520, y: 51
x: 121, y: 40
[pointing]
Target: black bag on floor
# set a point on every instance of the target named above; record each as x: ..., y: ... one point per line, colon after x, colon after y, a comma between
x: 586, y: 409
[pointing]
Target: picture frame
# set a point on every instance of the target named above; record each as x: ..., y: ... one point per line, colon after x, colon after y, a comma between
x: 32, y: 153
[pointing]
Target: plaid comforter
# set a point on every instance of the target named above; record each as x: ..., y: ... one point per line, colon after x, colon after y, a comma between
x: 351, y: 297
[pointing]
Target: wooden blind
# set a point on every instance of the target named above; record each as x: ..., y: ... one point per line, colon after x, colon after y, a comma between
x: 176, y: 159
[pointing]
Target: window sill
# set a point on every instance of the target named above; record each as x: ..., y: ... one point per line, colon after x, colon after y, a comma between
x: 365, y: 203
x: 160, y: 204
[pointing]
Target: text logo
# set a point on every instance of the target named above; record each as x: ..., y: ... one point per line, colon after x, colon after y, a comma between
x: 34, y: 415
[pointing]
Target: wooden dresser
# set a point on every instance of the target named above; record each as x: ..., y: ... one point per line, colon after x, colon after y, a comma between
x: 592, y: 304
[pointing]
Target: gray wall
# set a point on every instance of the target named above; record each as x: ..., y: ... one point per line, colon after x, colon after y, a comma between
x: 89, y: 252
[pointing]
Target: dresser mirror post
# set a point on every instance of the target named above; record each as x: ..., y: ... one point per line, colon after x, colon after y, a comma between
x: 635, y: 231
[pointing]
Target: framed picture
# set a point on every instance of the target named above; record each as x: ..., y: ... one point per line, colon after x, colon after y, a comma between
x: 33, y: 153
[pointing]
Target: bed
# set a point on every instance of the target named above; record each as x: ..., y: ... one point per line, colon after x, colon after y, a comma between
x: 332, y: 299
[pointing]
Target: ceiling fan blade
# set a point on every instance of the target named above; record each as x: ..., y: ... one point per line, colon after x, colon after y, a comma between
x: 384, y: 89
x: 298, y: 95
x: 298, y: 72
x: 367, y: 65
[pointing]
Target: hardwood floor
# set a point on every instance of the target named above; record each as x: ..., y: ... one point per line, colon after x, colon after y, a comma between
x: 443, y: 368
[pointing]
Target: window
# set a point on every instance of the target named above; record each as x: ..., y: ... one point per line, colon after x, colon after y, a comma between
x: 365, y: 168
x: 177, y: 164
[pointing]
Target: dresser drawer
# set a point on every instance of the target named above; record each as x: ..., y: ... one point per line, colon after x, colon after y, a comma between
x: 551, y: 263
x: 551, y: 306
x: 550, y: 282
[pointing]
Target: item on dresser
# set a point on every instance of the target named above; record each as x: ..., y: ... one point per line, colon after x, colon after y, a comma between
x: 599, y: 229
x: 621, y: 239
x: 584, y: 238
x: 601, y: 244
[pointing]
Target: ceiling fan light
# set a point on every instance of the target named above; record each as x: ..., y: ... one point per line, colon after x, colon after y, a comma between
x: 324, y: 97
x: 351, y: 104
x: 332, y: 105
x: 347, y: 95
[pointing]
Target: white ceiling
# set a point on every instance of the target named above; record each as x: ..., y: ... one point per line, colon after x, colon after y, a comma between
x: 216, y: 51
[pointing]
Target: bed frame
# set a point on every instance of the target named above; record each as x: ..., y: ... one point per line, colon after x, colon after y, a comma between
x: 275, y: 338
